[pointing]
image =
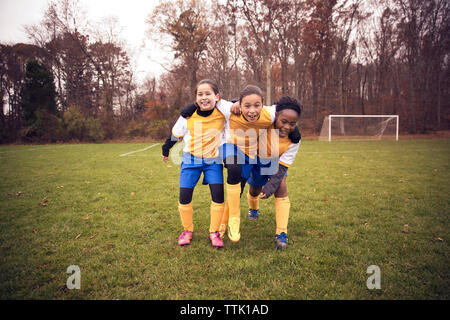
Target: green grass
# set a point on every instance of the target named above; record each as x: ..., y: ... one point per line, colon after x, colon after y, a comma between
x: 353, y: 204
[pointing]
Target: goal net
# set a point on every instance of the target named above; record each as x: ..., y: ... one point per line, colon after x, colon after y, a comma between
x: 359, y: 127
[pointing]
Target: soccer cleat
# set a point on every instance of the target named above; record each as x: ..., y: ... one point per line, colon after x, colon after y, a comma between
x: 281, y: 241
x: 222, y: 230
x: 253, y: 214
x: 216, y: 241
x: 233, y: 229
x: 185, y: 238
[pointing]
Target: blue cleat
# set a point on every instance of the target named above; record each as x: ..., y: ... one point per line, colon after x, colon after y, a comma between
x: 253, y: 214
x: 281, y: 241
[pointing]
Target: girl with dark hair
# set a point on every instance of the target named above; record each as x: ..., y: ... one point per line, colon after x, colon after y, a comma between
x: 278, y: 147
x: 202, y: 135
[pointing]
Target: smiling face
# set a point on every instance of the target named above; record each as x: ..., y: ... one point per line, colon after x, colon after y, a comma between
x: 205, y: 97
x: 285, y: 121
x: 251, y: 107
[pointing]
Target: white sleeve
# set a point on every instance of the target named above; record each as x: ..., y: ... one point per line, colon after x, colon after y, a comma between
x: 272, y: 110
x: 180, y: 127
x: 224, y: 106
x: 288, y: 157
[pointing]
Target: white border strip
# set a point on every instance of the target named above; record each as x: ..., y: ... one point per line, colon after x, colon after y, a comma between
x: 149, y: 147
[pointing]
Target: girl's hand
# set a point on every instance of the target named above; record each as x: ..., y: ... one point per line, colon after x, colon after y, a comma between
x: 165, y: 159
x: 236, y: 108
x: 262, y: 195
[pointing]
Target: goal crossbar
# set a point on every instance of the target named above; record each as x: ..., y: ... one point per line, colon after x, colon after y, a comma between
x: 363, y: 116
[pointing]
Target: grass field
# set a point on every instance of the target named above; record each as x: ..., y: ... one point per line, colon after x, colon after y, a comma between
x: 353, y: 204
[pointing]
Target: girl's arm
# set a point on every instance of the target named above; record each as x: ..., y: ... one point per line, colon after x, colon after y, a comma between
x: 274, y: 182
x: 285, y: 161
x: 170, y: 142
x: 295, y: 136
x: 188, y: 110
x: 178, y: 132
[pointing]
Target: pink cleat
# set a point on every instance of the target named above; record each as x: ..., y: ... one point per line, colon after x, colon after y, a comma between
x: 215, y: 240
x: 185, y: 238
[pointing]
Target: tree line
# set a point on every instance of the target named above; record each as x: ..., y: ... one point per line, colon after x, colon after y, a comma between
x: 336, y: 57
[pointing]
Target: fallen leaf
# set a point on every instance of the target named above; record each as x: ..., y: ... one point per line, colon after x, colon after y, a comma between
x: 92, y: 237
x: 44, y: 202
x: 133, y: 193
x: 79, y: 235
x: 15, y: 193
x: 308, y: 258
x: 440, y: 239
x: 86, y: 218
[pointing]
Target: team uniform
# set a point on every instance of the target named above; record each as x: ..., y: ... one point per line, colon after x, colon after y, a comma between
x: 273, y: 151
x: 240, y: 155
x: 276, y: 155
x: 202, y: 138
x: 202, y: 133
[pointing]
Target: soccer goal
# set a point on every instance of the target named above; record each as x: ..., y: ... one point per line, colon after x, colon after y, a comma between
x: 359, y: 127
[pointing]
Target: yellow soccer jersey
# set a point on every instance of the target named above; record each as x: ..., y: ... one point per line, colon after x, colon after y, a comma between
x: 242, y: 133
x: 202, y: 136
x: 271, y: 145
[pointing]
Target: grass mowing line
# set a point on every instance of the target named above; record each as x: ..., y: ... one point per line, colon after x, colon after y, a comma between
x: 149, y: 147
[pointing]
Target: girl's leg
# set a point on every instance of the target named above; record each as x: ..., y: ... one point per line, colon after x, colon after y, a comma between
x: 282, y: 207
x: 233, y: 187
x: 253, y: 202
x: 217, y: 206
x: 226, y: 210
x: 185, y: 208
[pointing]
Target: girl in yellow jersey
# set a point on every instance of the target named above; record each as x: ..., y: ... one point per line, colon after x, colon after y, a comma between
x: 202, y: 135
x: 240, y: 150
x: 280, y: 148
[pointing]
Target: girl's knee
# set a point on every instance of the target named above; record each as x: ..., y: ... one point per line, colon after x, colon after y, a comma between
x: 282, y: 191
x: 234, y: 173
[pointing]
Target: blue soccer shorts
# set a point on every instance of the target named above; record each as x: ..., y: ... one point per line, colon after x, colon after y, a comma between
x: 262, y: 171
x: 192, y: 168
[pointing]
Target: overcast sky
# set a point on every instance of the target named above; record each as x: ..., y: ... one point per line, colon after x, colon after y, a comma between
x: 14, y: 14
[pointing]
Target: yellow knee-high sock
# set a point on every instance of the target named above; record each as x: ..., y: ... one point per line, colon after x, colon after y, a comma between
x: 216, y: 216
x: 282, y: 206
x: 234, y: 200
x: 253, y: 202
x: 226, y: 212
x: 186, y: 216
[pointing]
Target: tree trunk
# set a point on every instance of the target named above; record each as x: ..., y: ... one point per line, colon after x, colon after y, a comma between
x: 268, y: 80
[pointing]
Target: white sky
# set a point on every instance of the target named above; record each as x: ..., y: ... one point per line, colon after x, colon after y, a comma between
x: 15, y: 14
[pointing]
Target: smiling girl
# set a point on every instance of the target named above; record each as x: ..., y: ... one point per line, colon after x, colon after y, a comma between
x: 283, y: 150
x: 240, y: 150
x: 202, y: 136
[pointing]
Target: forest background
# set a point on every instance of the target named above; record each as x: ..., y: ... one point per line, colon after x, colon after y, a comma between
x: 75, y: 82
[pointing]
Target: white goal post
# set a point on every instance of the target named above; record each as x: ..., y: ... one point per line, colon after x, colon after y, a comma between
x: 359, y: 126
